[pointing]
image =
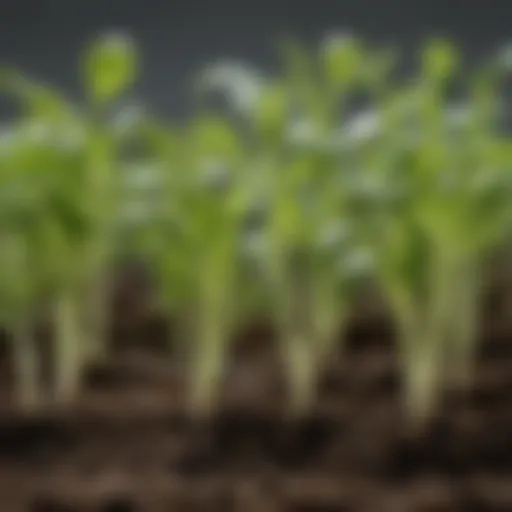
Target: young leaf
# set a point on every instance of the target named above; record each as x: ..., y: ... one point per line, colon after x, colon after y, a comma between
x: 440, y: 60
x: 342, y: 58
x: 39, y: 100
x: 110, y: 67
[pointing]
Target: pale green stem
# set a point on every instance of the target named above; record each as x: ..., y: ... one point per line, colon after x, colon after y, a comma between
x: 301, y: 370
x: 422, y: 378
x: 464, y: 327
x: 297, y: 339
x: 424, y: 333
x: 209, y: 361
x: 69, y: 347
x: 99, y: 247
x: 213, y: 334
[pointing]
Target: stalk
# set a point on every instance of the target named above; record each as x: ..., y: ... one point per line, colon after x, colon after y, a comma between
x: 307, y: 318
x: 301, y: 372
x: 310, y: 343
x: 464, y: 329
x: 423, y: 336
x: 69, y: 346
x: 421, y: 360
x: 26, y: 366
x: 98, y: 247
x: 213, y: 330
x: 296, y: 333
x: 208, y: 366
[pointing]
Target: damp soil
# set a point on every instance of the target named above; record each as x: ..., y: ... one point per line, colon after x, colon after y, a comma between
x: 128, y: 443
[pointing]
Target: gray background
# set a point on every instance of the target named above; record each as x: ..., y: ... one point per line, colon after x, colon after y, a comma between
x: 178, y: 37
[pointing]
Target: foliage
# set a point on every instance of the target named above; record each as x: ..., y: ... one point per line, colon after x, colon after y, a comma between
x: 325, y: 175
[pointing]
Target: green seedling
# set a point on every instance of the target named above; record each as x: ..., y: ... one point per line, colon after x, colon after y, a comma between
x: 450, y: 173
x: 307, y: 240
x: 72, y: 154
x: 194, y: 243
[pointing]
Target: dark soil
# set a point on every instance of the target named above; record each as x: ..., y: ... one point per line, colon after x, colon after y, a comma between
x: 128, y: 444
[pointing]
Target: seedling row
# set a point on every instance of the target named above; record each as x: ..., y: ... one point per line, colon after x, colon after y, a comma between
x: 305, y: 187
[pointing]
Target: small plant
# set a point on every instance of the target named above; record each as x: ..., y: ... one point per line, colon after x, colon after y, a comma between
x: 194, y: 243
x: 71, y: 156
x: 308, y: 239
x: 451, y: 181
x: 276, y: 209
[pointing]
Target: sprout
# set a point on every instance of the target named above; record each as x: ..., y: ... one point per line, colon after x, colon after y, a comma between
x: 110, y: 67
x: 431, y: 247
x: 65, y: 163
x: 307, y: 229
x: 196, y: 260
x: 342, y: 57
x: 294, y: 208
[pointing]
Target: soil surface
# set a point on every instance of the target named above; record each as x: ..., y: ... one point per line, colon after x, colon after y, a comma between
x: 128, y: 444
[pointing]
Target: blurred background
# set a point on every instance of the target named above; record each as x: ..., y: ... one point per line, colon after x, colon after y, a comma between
x: 178, y: 37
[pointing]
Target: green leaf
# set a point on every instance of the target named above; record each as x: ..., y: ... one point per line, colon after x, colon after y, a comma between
x: 342, y: 59
x: 213, y: 137
x: 271, y: 114
x: 39, y: 100
x: 440, y: 60
x: 110, y: 67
